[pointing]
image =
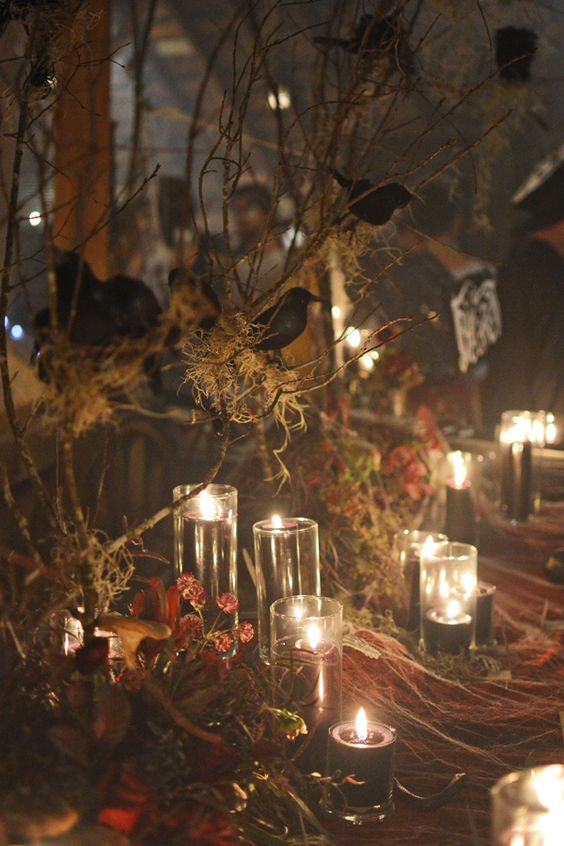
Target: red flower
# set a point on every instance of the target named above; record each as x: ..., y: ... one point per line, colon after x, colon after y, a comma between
x: 228, y: 603
x: 131, y: 800
x: 224, y: 642
x: 190, y: 628
x: 246, y: 632
x: 191, y: 590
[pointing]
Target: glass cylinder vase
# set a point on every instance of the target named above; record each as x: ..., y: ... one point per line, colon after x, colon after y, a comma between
x: 462, y: 490
x: 449, y: 576
x: 286, y: 564
x: 519, y: 433
x: 306, y: 635
x: 205, y: 544
x: 406, y: 551
x: 528, y: 807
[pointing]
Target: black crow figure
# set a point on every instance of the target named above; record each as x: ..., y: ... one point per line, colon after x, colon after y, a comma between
x: 376, y: 37
x: 515, y: 48
x: 285, y: 321
x: 375, y: 205
x: 104, y: 312
x: 199, y: 292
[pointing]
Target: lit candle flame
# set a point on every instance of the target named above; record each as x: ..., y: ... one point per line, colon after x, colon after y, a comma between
x: 277, y: 522
x: 313, y: 636
x: 429, y: 546
x: 459, y: 468
x: 361, y: 726
x: 453, y: 609
x: 208, y: 506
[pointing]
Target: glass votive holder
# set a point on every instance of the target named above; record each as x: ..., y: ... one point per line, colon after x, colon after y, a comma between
x: 205, y: 544
x: 406, y: 551
x: 448, y: 597
x: 286, y: 564
x: 306, y: 648
x: 528, y: 807
x: 519, y: 432
x: 462, y: 486
x: 364, y: 750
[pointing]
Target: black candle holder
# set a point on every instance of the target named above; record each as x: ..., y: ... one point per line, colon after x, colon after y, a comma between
x: 485, y: 596
x: 369, y: 798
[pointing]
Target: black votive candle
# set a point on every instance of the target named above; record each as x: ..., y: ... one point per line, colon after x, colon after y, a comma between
x: 516, y: 478
x: 442, y: 633
x: 369, y: 761
x: 485, y: 595
x: 460, y: 522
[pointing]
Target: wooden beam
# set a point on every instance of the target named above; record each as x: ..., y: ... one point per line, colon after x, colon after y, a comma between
x: 83, y: 146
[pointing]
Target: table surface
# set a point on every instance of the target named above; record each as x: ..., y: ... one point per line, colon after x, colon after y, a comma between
x: 484, y: 727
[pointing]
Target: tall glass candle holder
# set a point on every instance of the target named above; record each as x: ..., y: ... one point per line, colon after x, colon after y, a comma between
x: 406, y: 551
x: 286, y: 564
x: 462, y: 485
x: 306, y: 637
x: 205, y: 544
x: 448, y: 597
x: 519, y: 432
x: 528, y: 807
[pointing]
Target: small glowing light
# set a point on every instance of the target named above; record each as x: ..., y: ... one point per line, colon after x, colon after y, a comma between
x: 277, y: 522
x: 34, y: 218
x: 459, y: 468
x: 6, y: 323
x: 208, y: 506
x: 353, y: 337
x: 361, y: 725
x: 336, y: 312
x: 293, y: 237
x: 17, y: 332
x: 313, y: 636
x: 551, y: 432
x: 374, y: 354
x: 548, y: 789
x: 428, y: 547
x: 366, y: 362
x: 453, y: 609
x: 279, y: 99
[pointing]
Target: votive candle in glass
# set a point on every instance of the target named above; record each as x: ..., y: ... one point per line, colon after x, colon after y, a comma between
x: 205, y: 544
x: 519, y: 432
x: 461, y: 492
x: 286, y: 564
x: 364, y: 750
x: 306, y: 636
x: 528, y: 807
x: 406, y: 551
x: 448, y: 597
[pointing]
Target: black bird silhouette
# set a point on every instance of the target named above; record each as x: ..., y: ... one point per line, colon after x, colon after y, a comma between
x: 515, y: 48
x: 200, y: 293
x: 379, y: 35
x: 105, y: 313
x: 375, y: 205
x: 376, y: 37
x: 285, y: 321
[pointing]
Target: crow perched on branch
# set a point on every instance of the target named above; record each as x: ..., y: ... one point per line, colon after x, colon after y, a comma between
x: 376, y: 37
x: 286, y: 320
x: 104, y: 312
x: 374, y: 205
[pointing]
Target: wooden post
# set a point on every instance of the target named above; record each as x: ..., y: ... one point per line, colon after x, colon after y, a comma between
x: 82, y: 130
